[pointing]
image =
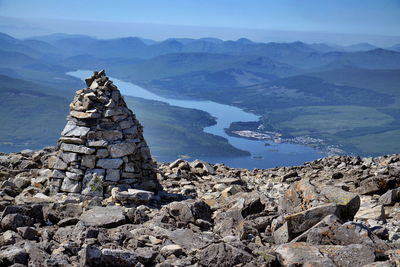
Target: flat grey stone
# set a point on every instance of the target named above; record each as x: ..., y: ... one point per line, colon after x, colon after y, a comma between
x: 88, y: 161
x: 107, y: 217
x: 132, y: 130
x: 97, y: 143
x: 73, y: 176
x: 120, y: 150
x: 58, y: 174
x: 113, y: 175
x: 72, y: 130
x: 109, y: 163
x: 125, y: 124
x: 129, y: 167
x: 133, y: 195
x: 77, y: 149
x: 69, y: 157
x: 71, y: 186
x: 59, y: 164
x: 102, y: 153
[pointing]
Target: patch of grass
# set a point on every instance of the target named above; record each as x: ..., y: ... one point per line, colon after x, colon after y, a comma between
x: 377, y: 144
x: 333, y: 119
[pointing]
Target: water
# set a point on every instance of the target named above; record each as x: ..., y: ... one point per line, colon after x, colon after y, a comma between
x: 273, y: 155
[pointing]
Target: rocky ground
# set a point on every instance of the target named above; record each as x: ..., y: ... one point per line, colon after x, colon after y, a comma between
x: 337, y: 211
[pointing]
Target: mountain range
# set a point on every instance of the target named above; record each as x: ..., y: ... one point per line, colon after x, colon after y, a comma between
x: 289, y: 85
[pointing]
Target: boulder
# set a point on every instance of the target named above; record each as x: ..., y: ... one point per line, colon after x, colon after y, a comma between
x: 107, y: 217
x: 171, y: 250
x: 375, y: 184
x: 390, y: 197
x: 13, y: 221
x: 349, y: 256
x: 224, y: 255
x: 302, y: 254
x: 132, y: 195
x: 13, y: 255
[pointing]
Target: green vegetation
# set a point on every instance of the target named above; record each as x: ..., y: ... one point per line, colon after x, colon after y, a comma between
x: 34, y: 115
x: 172, y: 131
x: 331, y: 119
x: 30, y: 117
x: 351, y: 99
x: 377, y: 144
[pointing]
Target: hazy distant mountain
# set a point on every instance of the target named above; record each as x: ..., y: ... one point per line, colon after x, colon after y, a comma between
x: 56, y: 36
x: 395, y: 48
x: 33, y: 48
x: 120, y: 47
x: 211, y: 40
x: 304, y: 90
x: 203, y: 84
x: 373, y: 59
x: 382, y: 81
x: 359, y: 47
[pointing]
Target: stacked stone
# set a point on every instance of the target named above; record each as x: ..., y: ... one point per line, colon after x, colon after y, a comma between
x: 102, y: 145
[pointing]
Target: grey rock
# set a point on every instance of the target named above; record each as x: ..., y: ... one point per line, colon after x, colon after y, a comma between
x: 169, y: 250
x: 189, y: 211
x: 107, y: 217
x: 203, y: 165
x: 374, y: 184
x: 56, y: 212
x: 390, y: 197
x: 69, y: 157
x: 13, y: 255
x: 302, y: 221
x: 302, y: 254
x: 88, y: 161
x: 71, y: 186
x: 350, y: 201
x: 13, y: 221
x: 111, y: 135
x: 113, y: 175
x: 338, y: 234
x: 58, y: 174
x: 72, y: 140
x: 374, y: 213
x: 73, y: 176
x: 349, y: 256
x: 120, y: 150
x: 84, y: 115
x: 224, y: 255
x: 22, y: 182
x: 97, y: 143
x: 282, y: 234
x: 9, y: 237
x: 57, y: 163
x: 102, y: 153
x: 125, y: 124
x: 129, y: 167
x: 109, y: 163
x: 77, y: 149
x: 132, y: 195
x: 37, y: 253
x: 28, y: 232
x: 133, y: 130
x: 175, y: 163
x: 72, y: 130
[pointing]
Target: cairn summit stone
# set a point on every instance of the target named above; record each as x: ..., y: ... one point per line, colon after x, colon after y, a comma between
x: 101, y: 144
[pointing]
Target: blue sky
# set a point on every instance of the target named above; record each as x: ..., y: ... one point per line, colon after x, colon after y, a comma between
x: 354, y: 17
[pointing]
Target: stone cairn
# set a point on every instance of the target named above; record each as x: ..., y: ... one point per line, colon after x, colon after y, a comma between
x: 102, y: 145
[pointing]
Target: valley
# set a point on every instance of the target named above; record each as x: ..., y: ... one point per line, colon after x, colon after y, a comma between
x: 347, y: 97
